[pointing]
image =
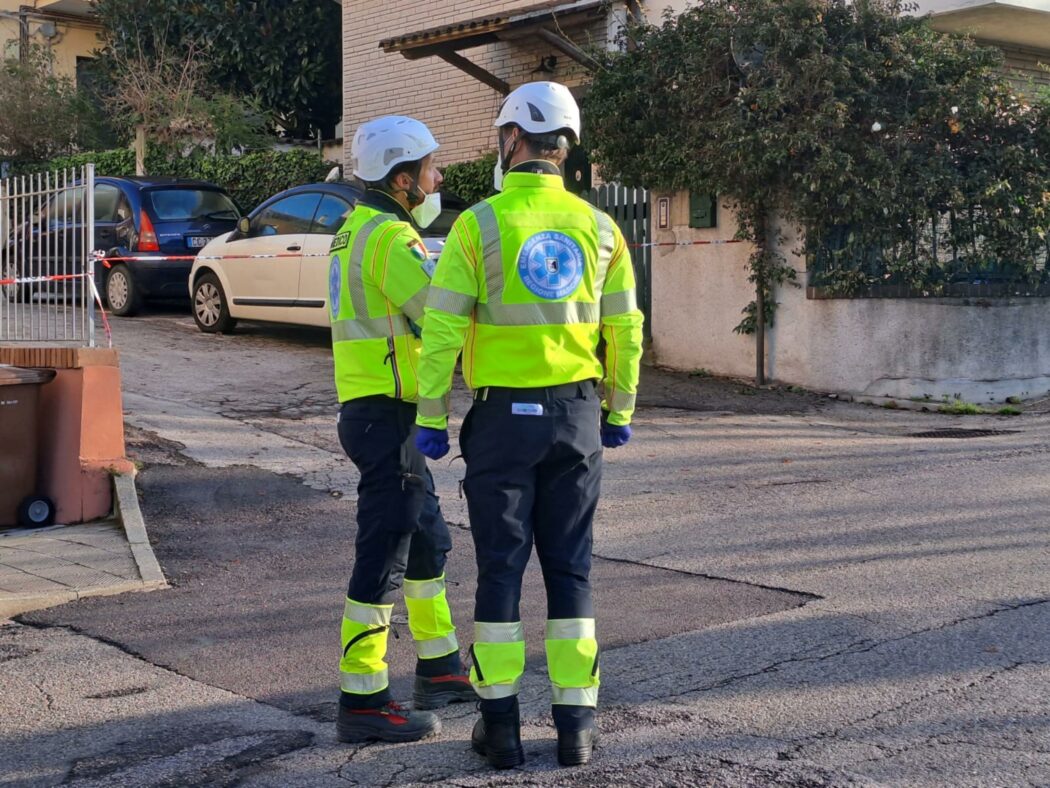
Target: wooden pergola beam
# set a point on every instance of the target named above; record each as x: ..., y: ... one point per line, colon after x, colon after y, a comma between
x: 453, y: 58
x: 563, y: 44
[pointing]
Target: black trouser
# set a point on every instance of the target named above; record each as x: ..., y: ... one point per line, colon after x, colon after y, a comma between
x: 533, y: 479
x: 401, y: 532
x: 533, y: 473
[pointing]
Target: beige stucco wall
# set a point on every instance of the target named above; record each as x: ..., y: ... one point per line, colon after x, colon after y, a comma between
x: 458, y: 108
x: 983, y: 350
x: 74, y: 39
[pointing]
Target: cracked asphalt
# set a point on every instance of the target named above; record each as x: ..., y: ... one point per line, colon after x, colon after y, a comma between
x: 791, y: 591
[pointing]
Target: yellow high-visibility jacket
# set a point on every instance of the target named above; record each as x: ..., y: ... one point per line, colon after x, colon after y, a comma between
x: 526, y: 282
x: 378, y: 279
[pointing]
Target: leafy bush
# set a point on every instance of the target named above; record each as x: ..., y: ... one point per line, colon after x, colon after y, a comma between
x: 471, y: 180
x: 285, y: 55
x: 253, y: 177
x: 853, y: 119
x: 43, y: 115
x: 250, y: 178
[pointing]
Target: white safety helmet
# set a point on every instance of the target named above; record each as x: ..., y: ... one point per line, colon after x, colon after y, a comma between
x: 541, y: 108
x: 383, y: 143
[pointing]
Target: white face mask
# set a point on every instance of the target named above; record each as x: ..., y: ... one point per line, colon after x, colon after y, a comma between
x: 497, y: 175
x: 428, y: 211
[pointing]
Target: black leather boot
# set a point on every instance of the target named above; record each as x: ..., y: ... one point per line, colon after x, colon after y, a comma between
x: 577, y: 733
x: 497, y: 735
x: 575, y: 747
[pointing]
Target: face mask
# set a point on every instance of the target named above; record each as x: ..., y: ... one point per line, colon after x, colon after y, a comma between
x: 497, y: 175
x: 427, y: 211
x: 502, y: 160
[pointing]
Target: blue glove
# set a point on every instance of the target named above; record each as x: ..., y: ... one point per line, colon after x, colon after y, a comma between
x: 432, y: 443
x: 615, y: 436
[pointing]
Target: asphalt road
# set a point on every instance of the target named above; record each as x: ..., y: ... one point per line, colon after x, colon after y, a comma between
x: 259, y: 566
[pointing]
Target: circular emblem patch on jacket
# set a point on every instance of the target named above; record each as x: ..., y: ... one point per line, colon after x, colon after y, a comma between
x: 551, y: 264
x: 335, y: 285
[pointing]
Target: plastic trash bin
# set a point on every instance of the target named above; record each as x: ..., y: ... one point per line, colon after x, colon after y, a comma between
x: 20, y: 505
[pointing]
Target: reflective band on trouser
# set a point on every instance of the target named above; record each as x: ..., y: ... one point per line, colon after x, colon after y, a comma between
x: 364, y: 636
x: 364, y: 683
x: 429, y: 618
x: 499, y: 659
x: 572, y: 661
x: 619, y: 303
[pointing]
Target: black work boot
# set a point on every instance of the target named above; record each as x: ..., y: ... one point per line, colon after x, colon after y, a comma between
x: 434, y: 692
x: 575, y: 747
x: 577, y: 734
x: 497, y: 735
x: 389, y: 722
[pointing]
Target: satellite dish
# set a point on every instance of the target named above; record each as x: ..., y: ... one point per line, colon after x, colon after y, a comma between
x: 333, y: 174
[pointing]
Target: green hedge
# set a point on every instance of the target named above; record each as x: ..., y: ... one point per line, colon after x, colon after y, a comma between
x: 253, y: 177
x: 250, y: 178
x: 471, y: 180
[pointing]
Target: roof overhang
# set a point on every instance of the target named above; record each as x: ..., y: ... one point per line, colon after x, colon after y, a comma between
x: 1018, y: 22
x: 546, y: 21
x: 73, y: 8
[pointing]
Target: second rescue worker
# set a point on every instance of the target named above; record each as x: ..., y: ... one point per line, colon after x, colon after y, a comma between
x: 378, y: 283
x: 526, y: 283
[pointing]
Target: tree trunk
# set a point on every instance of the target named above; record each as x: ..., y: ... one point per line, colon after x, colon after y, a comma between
x: 760, y: 302
x: 140, y: 150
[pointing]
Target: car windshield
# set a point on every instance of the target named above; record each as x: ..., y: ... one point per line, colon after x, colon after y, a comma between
x: 180, y: 205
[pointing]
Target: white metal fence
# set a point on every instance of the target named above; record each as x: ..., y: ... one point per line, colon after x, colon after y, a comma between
x: 47, y: 266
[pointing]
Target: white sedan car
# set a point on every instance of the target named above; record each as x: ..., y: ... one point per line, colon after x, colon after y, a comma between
x: 274, y: 266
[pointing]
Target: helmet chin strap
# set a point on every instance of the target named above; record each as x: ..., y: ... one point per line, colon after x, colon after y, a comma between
x: 411, y: 196
x: 505, y: 157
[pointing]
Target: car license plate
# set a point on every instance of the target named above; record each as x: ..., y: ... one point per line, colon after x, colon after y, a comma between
x: 197, y: 241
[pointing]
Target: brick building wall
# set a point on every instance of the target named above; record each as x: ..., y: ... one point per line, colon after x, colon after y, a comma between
x: 458, y: 108
x: 1026, y: 66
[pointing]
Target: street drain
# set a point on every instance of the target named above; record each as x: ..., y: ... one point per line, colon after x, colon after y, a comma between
x: 961, y: 433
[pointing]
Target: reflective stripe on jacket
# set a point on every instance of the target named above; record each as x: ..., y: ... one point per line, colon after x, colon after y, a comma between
x: 378, y: 279
x: 526, y: 282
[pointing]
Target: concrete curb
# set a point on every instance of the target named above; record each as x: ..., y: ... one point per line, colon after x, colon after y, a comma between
x: 126, y: 501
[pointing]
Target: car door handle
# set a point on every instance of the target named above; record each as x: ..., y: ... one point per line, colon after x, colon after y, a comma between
x: 295, y: 248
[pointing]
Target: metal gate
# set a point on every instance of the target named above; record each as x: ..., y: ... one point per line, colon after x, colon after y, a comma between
x: 629, y: 208
x: 47, y: 266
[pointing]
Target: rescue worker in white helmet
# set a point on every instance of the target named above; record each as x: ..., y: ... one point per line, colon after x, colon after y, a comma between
x: 527, y: 282
x: 379, y: 277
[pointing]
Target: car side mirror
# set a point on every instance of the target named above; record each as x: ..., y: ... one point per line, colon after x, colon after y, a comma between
x: 244, y: 226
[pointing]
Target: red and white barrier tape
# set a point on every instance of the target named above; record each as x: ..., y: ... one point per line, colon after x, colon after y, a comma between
x: 159, y: 258
x: 101, y: 311
x: 35, y: 280
x: 686, y: 243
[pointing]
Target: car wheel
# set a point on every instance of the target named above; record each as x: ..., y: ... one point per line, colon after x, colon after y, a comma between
x: 121, y: 292
x: 211, y: 313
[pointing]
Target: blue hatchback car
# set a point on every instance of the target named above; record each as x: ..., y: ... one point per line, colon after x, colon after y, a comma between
x: 155, y: 217
x: 151, y: 217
